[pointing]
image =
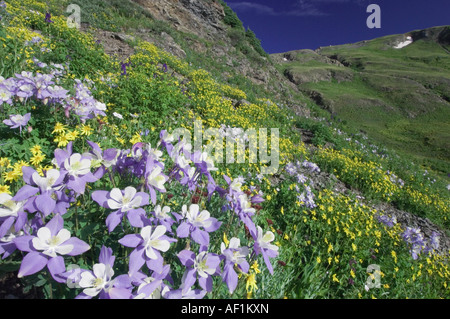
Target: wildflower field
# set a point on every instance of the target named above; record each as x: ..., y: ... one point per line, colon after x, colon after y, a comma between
x: 99, y: 199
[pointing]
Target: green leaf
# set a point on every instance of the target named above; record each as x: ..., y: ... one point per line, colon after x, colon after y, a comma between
x: 9, y: 266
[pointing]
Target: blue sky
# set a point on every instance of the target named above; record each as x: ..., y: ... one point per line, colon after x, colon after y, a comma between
x: 284, y: 25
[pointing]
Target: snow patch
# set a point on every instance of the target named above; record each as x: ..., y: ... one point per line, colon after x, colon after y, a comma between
x: 403, y: 44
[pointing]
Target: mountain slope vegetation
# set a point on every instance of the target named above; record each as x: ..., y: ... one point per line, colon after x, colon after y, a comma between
x: 399, y: 97
x: 99, y: 198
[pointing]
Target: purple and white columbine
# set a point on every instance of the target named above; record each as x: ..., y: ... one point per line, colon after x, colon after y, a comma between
x: 149, y: 243
x: 100, y: 282
x: 47, y: 247
x: 17, y: 121
x: 233, y: 256
x: 263, y: 246
x: 204, y: 265
x: 128, y: 201
x: 197, y: 224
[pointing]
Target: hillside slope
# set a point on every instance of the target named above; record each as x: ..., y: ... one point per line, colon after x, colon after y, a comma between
x: 105, y: 194
x: 399, y: 96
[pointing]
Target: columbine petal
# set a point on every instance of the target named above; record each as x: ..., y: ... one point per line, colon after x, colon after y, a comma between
x: 131, y: 240
x: 32, y: 263
x: 78, y: 245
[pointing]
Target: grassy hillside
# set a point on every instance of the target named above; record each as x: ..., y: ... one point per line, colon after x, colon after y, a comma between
x: 399, y: 97
x: 87, y: 149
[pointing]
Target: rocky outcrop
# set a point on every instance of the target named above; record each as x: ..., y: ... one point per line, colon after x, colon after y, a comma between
x: 315, y: 75
x: 202, y: 18
x: 304, y: 56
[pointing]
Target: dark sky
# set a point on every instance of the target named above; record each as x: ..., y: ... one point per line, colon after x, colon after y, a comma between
x: 284, y: 25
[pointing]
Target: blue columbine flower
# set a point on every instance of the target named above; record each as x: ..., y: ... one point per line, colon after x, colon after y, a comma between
x: 47, y: 247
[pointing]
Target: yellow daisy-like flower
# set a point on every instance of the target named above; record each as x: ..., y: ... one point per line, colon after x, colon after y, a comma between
x: 10, y: 176
x: 335, y: 279
x: 72, y: 136
x: 394, y: 255
x: 18, y: 167
x: 330, y: 248
x: 4, y: 162
x: 4, y: 189
x: 37, y: 159
x: 36, y: 150
x: 59, y: 128
x: 86, y: 130
x: 61, y: 140
x: 120, y: 140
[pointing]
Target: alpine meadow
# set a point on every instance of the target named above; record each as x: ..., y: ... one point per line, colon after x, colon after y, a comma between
x: 153, y: 149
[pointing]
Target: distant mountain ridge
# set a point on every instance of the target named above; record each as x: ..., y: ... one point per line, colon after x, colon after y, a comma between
x: 399, y: 96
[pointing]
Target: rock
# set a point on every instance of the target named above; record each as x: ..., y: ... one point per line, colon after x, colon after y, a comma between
x: 202, y: 18
x: 171, y: 46
x: 240, y: 103
x: 123, y: 37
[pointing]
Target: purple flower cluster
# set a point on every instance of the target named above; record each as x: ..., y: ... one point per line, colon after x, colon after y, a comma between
x: 42, y: 87
x: 312, y: 167
x: 32, y: 222
x: 417, y: 242
x: 386, y: 220
x: 305, y: 197
x: 395, y: 179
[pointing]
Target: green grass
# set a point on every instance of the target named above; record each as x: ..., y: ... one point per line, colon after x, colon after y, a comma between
x: 399, y: 97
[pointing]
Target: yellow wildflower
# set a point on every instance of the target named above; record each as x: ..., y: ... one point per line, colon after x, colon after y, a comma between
x: 4, y: 162
x: 10, y: 176
x: 255, y: 267
x: 86, y: 130
x: 59, y: 128
x: 37, y: 159
x: 136, y: 138
x: 61, y: 140
x: 335, y: 278
x: 36, y: 150
x: 4, y: 189
x: 72, y: 136
x: 225, y: 240
x: 250, y: 284
x: 120, y: 140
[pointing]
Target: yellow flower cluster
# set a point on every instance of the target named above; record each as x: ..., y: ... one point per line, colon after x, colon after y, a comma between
x: 233, y: 92
x: 372, y: 179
